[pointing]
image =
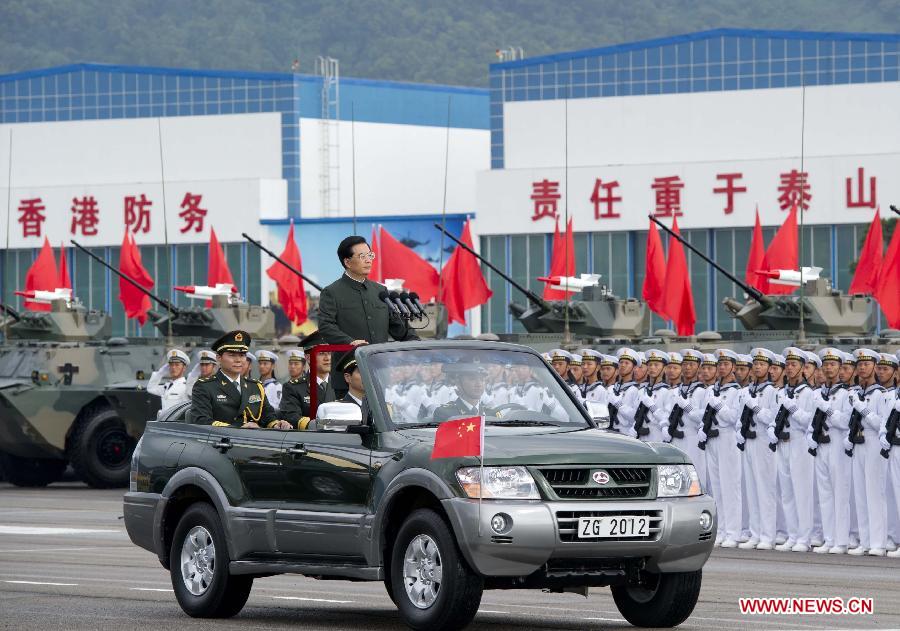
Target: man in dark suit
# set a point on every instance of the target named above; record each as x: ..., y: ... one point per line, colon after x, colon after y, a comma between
x: 349, y: 368
x: 469, y: 379
x: 227, y: 398
x: 295, y: 392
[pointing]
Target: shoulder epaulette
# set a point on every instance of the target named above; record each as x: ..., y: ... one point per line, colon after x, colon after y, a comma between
x: 205, y: 379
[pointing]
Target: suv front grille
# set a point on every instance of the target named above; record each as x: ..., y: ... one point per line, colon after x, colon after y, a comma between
x: 567, y: 524
x: 578, y: 483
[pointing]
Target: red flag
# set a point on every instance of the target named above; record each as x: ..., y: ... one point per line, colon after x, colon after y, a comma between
x: 136, y: 302
x: 887, y: 292
x: 562, y: 261
x: 865, y: 280
x: 41, y: 276
x: 65, y: 282
x: 654, y: 288
x: 291, y: 292
x: 678, y: 297
x: 217, y: 271
x: 756, y: 260
x: 782, y: 252
x: 375, y: 272
x: 455, y: 439
x: 462, y: 283
x: 399, y: 261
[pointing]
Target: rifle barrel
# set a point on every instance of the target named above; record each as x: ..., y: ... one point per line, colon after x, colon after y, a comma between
x: 282, y: 261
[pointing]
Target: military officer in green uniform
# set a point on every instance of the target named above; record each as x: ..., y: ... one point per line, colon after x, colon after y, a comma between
x: 469, y: 378
x: 227, y: 398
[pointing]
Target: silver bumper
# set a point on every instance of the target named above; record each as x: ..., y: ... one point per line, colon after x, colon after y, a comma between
x: 534, y: 538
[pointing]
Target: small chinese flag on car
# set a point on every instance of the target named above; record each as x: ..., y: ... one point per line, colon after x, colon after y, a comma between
x: 458, y: 438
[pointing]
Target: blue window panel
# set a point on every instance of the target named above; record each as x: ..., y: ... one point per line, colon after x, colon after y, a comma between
x: 857, y: 48
x: 794, y: 49
x: 9, y: 89
x: 156, y: 110
x: 714, y: 49
x: 130, y: 82
x: 171, y: 97
x: 638, y: 74
x: 579, y: 78
x: 810, y: 48
x: 212, y: 95
x: 810, y: 78
x: 240, y: 107
x: 792, y: 79
x: 77, y: 101
x: 184, y: 84
x: 143, y: 82
x: 857, y: 62
x: 197, y: 95
x: 517, y: 95
x: 116, y: 82
x: 62, y: 115
x: 227, y: 94
x: 48, y: 116
x: 117, y: 100
x: 143, y: 98
x: 64, y: 102
x: 593, y: 77
x: 891, y: 60
x: 90, y: 113
x: 593, y: 63
x: 623, y: 89
x: 22, y: 104
x: 284, y: 105
x: 196, y: 109
x: 668, y: 72
x: 36, y: 86
x: 873, y: 61
x: 793, y: 65
x: 745, y: 68
x: 699, y: 85
x: 746, y: 83
x: 890, y: 74
x: 730, y: 70
x: 496, y: 109
x: 761, y: 67
x: 668, y: 56
x: 35, y: 102
x: 826, y: 78
x: 253, y: 93
x: 653, y: 87
x: 156, y: 83
x: 826, y: 48
x: 857, y: 76
x: 608, y: 62
x: 715, y: 84
x: 117, y: 112
x: 49, y: 102
x: 608, y: 89
x: 826, y: 64
x: 668, y: 87
x: 639, y: 57
x: 638, y: 88
x: 131, y: 112
x: 283, y: 91
x: 745, y: 49
x: 891, y: 47
x: 577, y: 92
x: 698, y: 52
x: 841, y: 76
x: 227, y: 82
x: 49, y: 85
x: 714, y: 70
x: 873, y: 75
x: 518, y: 80
x: 533, y: 80
x: 730, y: 83
x: 10, y: 116
x: 592, y: 91
x: 184, y: 109
x: 777, y: 49
x: 268, y: 92
x: 623, y: 75
x: 103, y: 112
x: 171, y: 83
x: 841, y: 63
x: 652, y: 74
x: 809, y: 65
x: 622, y: 60
x: 874, y: 48
x: 731, y: 51
x: 761, y: 81
x: 171, y: 110
x: 683, y: 53
x: 654, y: 56
x: 578, y: 64
x: 130, y: 99
x: 533, y: 94
x: 495, y: 82
x: 608, y: 76
x: 683, y: 72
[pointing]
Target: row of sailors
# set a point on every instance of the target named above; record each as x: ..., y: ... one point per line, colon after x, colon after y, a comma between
x: 768, y: 434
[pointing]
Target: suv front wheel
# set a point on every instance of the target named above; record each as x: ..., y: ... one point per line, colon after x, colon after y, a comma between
x: 659, y: 600
x: 432, y: 584
x: 198, y: 564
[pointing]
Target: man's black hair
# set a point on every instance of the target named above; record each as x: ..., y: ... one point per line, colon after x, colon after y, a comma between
x: 345, y: 249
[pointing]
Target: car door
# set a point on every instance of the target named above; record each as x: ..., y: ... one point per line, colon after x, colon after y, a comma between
x: 254, y: 457
x: 327, y: 485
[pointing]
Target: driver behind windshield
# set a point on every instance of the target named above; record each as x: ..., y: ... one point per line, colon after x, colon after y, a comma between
x: 469, y: 379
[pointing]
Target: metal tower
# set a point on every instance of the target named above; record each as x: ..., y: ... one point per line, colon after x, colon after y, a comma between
x: 329, y: 136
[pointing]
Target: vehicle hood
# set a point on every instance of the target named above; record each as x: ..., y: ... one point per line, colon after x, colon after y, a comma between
x: 544, y: 446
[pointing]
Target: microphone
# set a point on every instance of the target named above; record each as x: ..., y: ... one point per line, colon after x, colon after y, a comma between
x: 416, y: 314
x: 415, y: 299
x: 395, y: 299
x: 386, y: 299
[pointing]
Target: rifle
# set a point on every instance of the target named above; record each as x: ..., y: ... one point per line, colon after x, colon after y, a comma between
x: 746, y: 423
x: 856, y: 431
x: 613, y: 417
x: 675, y: 422
x: 709, y: 417
x: 820, y: 428
x: 640, y: 418
x: 781, y: 424
x: 892, y: 425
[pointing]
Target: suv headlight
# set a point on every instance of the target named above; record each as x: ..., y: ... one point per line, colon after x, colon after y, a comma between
x: 677, y: 480
x: 508, y: 483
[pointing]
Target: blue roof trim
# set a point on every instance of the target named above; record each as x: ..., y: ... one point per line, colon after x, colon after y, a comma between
x: 366, y: 219
x: 691, y: 37
x: 235, y: 74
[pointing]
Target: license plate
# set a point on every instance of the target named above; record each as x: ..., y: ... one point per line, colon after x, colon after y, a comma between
x: 613, y: 526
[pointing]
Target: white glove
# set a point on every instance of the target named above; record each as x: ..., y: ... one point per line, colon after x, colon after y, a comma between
x: 885, y: 443
x: 164, y: 370
x: 848, y: 446
x: 740, y: 440
x: 811, y: 443
x: 687, y: 409
x: 629, y: 431
x: 755, y: 409
x: 791, y: 407
x: 821, y: 403
x: 715, y: 402
x: 858, y: 405
x: 615, y: 399
x: 667, y: 438
x: 770, y: 432
x: 701, y: 435
x: 646, y: 399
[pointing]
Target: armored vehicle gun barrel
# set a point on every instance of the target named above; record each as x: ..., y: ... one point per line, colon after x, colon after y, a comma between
x: 282, y: 261
x: 10, y: 312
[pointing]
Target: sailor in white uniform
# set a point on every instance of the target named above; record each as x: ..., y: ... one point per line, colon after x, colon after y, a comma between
x: 175, y: 390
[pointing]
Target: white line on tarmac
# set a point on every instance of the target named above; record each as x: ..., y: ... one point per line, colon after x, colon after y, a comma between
x: 55, y: 549
x: 41, y: 583
x: 44, y: 530
x: 617, y: 620
x: 313, y: 600
x: 491, y: 611
x: 150, y: 589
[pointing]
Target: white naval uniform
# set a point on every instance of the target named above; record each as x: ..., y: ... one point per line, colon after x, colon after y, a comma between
x: 172, y: 392
x: 659, y: 414
x: 273, y: 392
x: 532, y: 396
x: 761, y: 469
x: 723, y: 459
x: 626, y: 398
x: 692, y: 399
x: 596, y: 392
x: 892, y: 481
x: 870, y: 469
x: 832, y: 466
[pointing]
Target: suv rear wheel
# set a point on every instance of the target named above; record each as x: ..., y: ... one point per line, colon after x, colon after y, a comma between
x: 431, y: 583
x: 660, y: 600
x: 198, y: 564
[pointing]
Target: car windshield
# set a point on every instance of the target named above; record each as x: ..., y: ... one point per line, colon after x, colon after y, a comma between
x: 426, y: 387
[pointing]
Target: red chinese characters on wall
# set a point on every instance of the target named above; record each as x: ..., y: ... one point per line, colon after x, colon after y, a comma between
x: 795, y: 190
x: 137, y: 213
x: 191, y: 213
x: 85, y: 216
x: 31, y: 216
x: 668, y: 196
x: 604, y: 195
x: 729, y: 188
x: 545, y: 195
x: 860, y: 201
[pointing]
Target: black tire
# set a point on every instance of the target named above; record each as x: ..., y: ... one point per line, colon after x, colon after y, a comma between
x: 225, y: 594
x: 31, y: 472
x: 459, y: 593
x: 100, y: 449
x: 665, y: 600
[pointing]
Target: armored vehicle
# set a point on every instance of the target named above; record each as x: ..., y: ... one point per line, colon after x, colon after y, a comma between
x: 385, y: 492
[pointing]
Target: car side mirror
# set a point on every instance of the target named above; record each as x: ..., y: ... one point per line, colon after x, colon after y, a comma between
x: 338, y: 416
x: 599, y: 413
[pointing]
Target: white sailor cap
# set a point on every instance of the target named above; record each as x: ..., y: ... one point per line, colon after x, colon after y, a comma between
x: 546, y: 357
x: 251, y: 356
x: 760, y: 354
x: 558, y: 353
x: 175, y: 355
x: 675, y: 358
x: 207, y: 357
x: 849, y: 358
x: 609, y: 360
x: 690, y: 355
x: 744, y: 360
x: 813, y: 358
x: 708, y: 360
x: 832, y: 354
x: 778, y: 360
x: 575, y: 359
x: 630, y: 354
x: 792, y: 352
x: 272, y: 357
x: 654, y: 355
x: 888, y: 359
x: 726, y: 354
x: 296, y: 355
x: 589, y: 354
x: 866, y: 355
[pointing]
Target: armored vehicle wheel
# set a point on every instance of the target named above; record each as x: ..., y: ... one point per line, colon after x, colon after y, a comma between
x: 661, y: 600
x: 31, y: 471
x: 100, y: 449
x: 432, y: 584
x: 198, y: 564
